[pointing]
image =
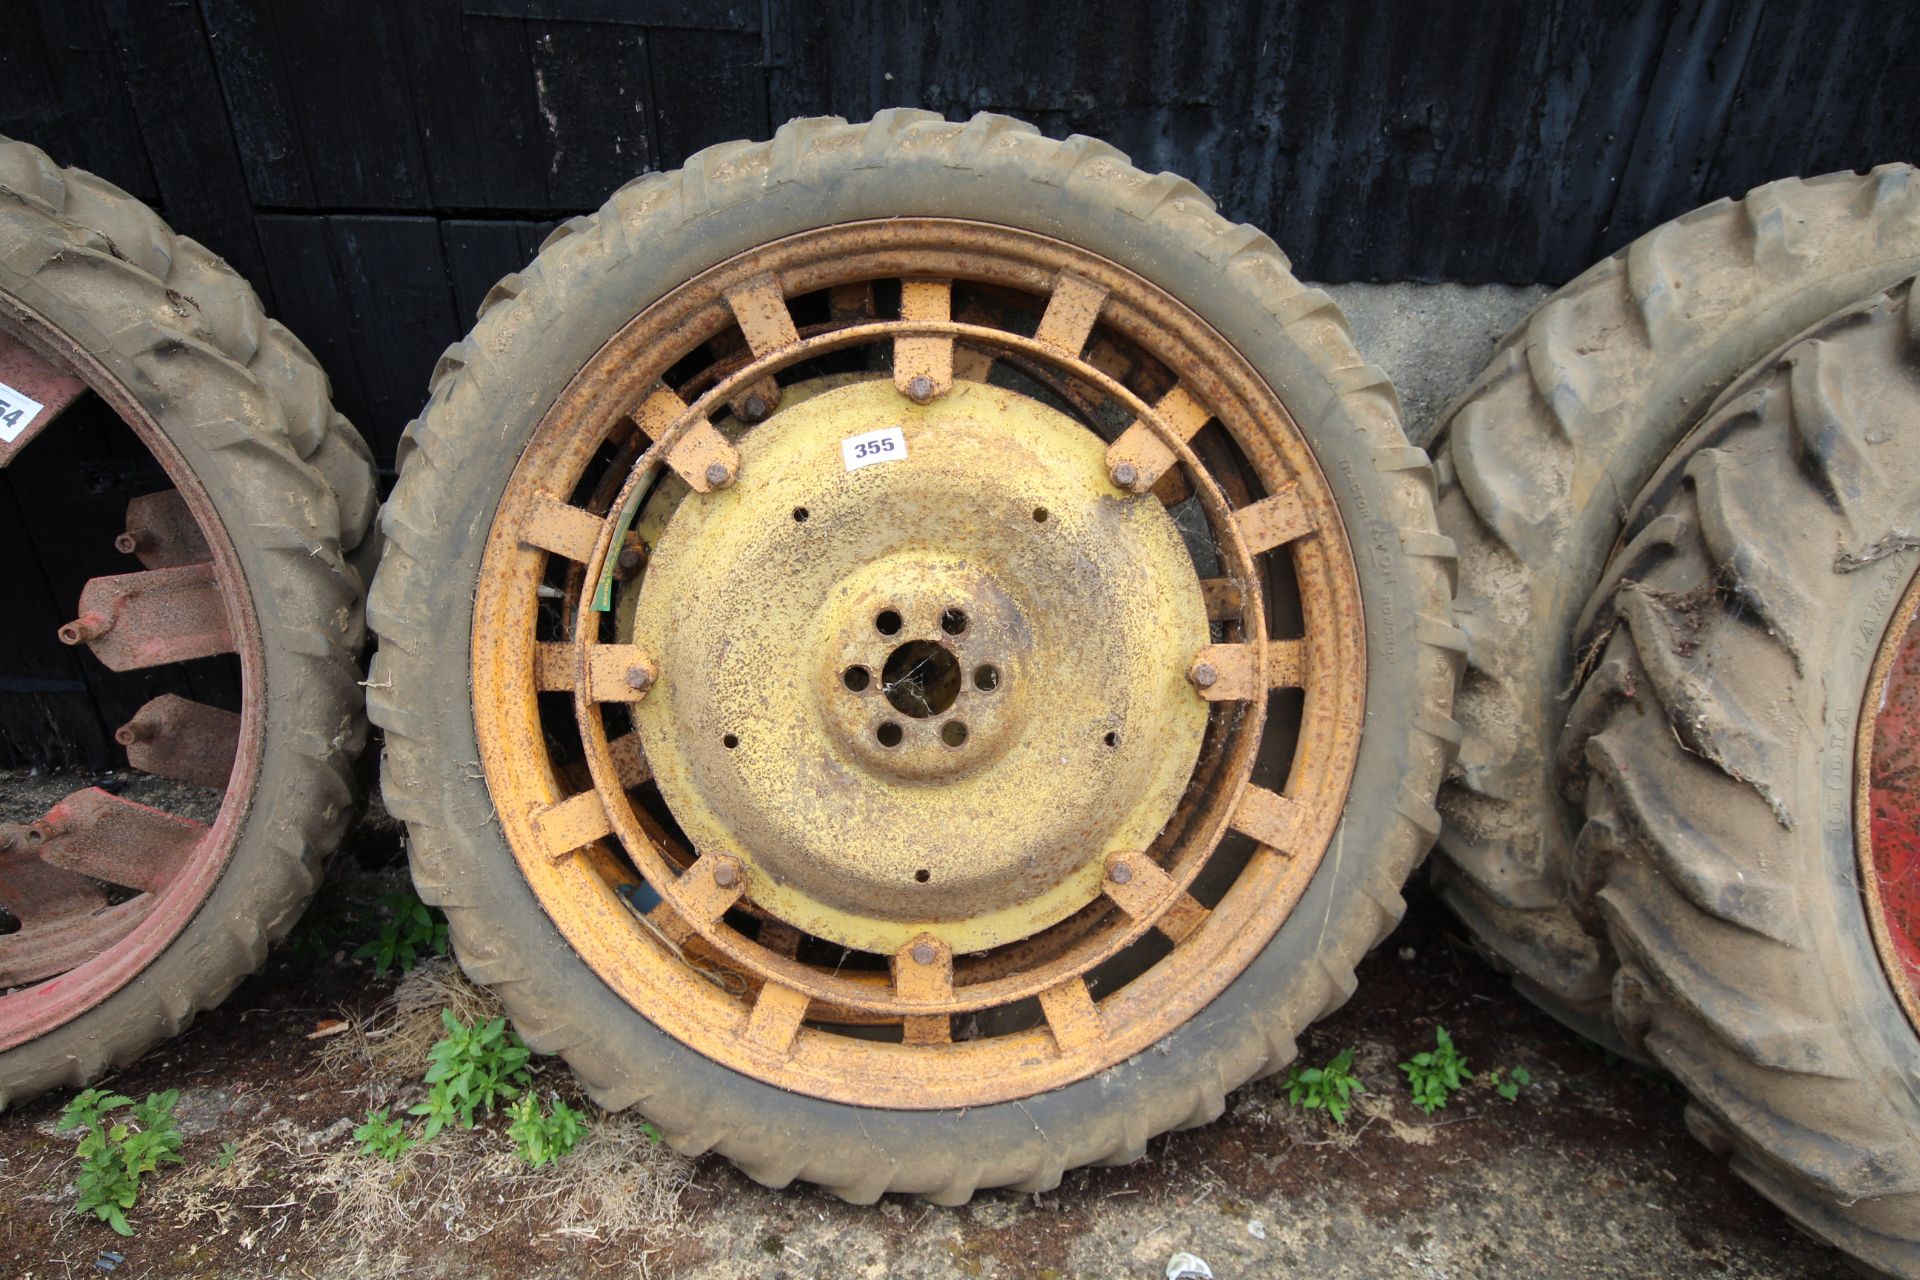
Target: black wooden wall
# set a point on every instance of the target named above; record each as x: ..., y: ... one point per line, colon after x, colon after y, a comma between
x: 374, y: 165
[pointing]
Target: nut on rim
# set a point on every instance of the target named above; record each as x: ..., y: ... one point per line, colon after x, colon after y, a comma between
x: 1203, y: 675
x: 726, y: 872
x: 719, y: 475
x: 923, y: 953
x: 639, y: 678
x: 920, y: 389
x: 1119, y: 872
x: 1125, y: 475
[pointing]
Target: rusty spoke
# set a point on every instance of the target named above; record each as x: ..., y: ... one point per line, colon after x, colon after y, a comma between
x: 1072, y: 1016
x: 560, y: 528
x: 923, y: 366
x: 778, y: 1012
x: 629, y: 760
x: 1139, y: 459
x: 174, y: 737
x: 33, y: 891
x: 1070, y: 316
x: 564, y: 829
x: 1269, y: 817
x: 619, y: 673
x: 1223, y: 599
x: 556, y: 666
x: 1274, y: 521
x: 103, y: 836
x: 133, y: 621
x: 161, y: 531
x: 760, y: 309
x: 1139, y: 887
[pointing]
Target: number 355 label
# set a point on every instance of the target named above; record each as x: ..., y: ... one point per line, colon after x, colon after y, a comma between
x: 869, y: 447
x: 18, y: 411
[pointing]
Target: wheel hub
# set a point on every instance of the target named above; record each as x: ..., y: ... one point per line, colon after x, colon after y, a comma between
x: 925, y: 696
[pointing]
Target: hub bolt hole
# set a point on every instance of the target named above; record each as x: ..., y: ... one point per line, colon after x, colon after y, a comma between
x: 730, y: 741
x: 1039, y: 515
x: 888, y: 734
x: 856, y: 679
x: 922, y: 875
x: 800, y: 515
x: 953, y: 622
x: 953, y: 733
x: 1112, y: 739
x: 887, y: 622
x: 986, y: 679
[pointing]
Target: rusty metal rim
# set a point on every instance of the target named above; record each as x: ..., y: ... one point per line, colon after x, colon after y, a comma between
x: 653, y: 976
x: 853, y: 993
x: 46, y: 1005
x: 1886, y: 827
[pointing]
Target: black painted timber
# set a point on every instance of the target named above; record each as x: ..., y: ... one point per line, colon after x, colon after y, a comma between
x: 373, y: 165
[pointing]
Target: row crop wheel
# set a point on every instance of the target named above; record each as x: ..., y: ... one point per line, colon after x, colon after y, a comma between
x: 876, y: 635
x: 234, y: 581
x: 1538, y: 460
x: 1742, y: 750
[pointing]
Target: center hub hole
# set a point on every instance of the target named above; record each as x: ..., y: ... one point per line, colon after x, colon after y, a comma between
x: 921, y: 679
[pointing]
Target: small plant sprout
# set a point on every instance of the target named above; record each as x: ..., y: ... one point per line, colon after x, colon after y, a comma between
x: 380, y: 1136
x: 1330, y: 1088
x: 472, y: 1067
x: 1436, y: 1074
x: 229, y: 1152
x: 1509, y: 1083
x: 541, y: 1138
x: 115, y: 1154
x: 409, y: 931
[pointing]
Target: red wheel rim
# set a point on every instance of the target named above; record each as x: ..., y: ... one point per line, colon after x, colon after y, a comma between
x: 1889, y: 817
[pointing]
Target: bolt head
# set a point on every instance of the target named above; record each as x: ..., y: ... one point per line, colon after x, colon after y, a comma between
x: 923, y: 953
x: 755, y: 407
x: 630, y: 559
x: 126, y: 544
x: 719, y: 475
x: 640, y: 678
x: 1126, y: 475
x: 920, y: 389
x: 1204, y: 675
x: 1120, y: 873
x: 726, y: 875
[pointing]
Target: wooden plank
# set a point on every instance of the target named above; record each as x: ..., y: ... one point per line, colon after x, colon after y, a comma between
x: 175, y: 92
x: 312, y: 303
x: 595, y: 89
x: 402, y: 317
x: 47, y: 715
x: 89, y: 120
x: 349, y: 76
x: 474, y: 92
x: 259, y: 103
x: 707, y: 88
x: 690, y: 15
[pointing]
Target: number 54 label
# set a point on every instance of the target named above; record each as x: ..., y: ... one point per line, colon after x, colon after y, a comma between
x: 17, y: 412
x: 885, y: 445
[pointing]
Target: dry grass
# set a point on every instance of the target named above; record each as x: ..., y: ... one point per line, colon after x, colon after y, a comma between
x: 388, y: 1048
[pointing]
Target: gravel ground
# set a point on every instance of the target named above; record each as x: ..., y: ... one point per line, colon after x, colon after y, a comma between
x: 1587, y: 1173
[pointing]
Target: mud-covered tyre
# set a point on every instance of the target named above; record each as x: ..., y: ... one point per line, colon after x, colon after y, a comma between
x: 517, y: 847
x: 1730, y: 659
x: 279, y: 488
x: 1538, y: 460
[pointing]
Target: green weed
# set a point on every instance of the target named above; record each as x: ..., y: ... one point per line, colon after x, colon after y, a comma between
x: 1329, y: 1088
x: 541, y: 1138
x: 1436, y: 1074
x: 115, y: 1154
x: 409, y: 930
x: 1509, y: 1083
x: 472, y: 1067
x: 383, y: 1137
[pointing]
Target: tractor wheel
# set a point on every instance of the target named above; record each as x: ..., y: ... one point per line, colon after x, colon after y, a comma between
x: 118, y: 921
x: 1743, y: 748
x: 875, y: 637
x: 1540, y: 456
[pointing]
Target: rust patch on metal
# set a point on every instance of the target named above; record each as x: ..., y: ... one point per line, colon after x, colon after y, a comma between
x: 175, y: 737
x: 132, y: 621
x: 162, y: 532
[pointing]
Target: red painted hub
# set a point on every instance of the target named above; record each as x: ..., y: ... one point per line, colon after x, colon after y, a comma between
x: 1890, y: 854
